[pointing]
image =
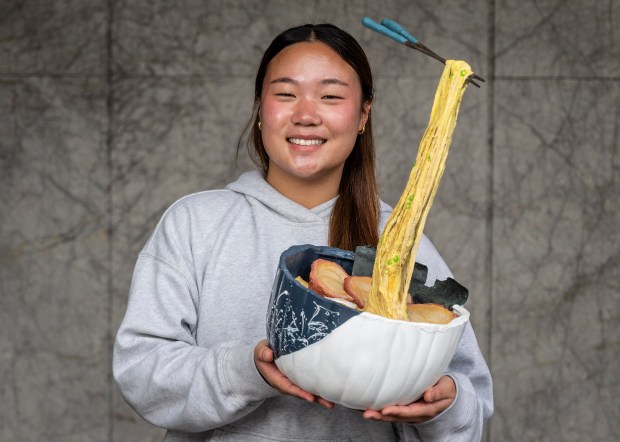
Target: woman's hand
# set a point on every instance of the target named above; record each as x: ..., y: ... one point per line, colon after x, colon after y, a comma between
x: 263, y: 358
x: 434, y: 400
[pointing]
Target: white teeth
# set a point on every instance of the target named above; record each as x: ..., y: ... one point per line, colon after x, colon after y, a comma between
x: 301, y: 142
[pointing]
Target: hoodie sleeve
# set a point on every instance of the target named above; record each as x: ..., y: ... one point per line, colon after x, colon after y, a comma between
x: 157, y: 365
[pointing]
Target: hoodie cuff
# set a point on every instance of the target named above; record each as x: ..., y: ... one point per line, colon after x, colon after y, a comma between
x: 243, y: 378
x: 456, y: 418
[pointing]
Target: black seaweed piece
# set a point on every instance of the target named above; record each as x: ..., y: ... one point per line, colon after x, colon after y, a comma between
x: 364, y: 260
x: 446, y: 293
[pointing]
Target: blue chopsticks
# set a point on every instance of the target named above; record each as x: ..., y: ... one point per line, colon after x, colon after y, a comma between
x: 398, y: 33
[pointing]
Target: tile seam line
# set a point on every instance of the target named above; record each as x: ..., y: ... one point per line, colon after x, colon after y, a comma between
x: 125, y: 76
x: 119, y: 75
x: 109, y: 77
x: 491, y: 18
x: 554, y: 77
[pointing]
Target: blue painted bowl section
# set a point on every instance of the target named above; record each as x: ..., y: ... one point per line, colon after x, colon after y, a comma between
x: 298, y: 317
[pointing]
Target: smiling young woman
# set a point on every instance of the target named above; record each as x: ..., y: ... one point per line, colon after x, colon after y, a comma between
x: 315, y: 82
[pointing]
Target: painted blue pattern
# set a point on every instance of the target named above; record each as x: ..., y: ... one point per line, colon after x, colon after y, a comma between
x: 297, y: 317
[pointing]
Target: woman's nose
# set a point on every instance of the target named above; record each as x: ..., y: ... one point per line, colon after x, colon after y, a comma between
x: 306, y: 113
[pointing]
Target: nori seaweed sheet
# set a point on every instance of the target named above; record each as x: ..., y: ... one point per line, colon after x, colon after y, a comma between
x: 446, y: 293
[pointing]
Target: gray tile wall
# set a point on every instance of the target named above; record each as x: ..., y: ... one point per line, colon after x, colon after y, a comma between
x: 110, y: 110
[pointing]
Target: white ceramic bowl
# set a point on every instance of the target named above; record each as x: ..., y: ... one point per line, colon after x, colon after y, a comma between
x: 356, y: 359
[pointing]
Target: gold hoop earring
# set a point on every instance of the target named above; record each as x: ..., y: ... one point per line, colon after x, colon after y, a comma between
x: 259, y: 126
x: 362, y: 130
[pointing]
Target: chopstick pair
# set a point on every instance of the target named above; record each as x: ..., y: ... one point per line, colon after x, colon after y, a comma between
x: 396, y: 32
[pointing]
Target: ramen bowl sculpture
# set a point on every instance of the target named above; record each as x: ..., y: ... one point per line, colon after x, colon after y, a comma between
x: 353, y: 358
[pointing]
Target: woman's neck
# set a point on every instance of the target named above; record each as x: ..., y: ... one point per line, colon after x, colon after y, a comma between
x: 310, y: 192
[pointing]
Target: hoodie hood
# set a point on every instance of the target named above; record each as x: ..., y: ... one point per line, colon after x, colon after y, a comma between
x: 260, y: 193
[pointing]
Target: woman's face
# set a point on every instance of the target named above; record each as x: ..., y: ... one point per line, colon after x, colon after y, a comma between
x: 310, y: 112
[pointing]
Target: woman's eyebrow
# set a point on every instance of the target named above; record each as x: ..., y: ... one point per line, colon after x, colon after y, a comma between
x: 324, y: 81
x: 283, y: 80
x: 334, y: 81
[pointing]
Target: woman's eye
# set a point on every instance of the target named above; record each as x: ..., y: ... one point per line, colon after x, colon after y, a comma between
x: 284, y: 94
x: 332, y: 97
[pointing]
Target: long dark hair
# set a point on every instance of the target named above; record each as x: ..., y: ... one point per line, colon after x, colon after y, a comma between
x: 355, y: 217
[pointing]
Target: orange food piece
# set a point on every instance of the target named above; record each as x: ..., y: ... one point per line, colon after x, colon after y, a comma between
x: 358, y: 287
x: 327, y: 279
x: 431, y: 313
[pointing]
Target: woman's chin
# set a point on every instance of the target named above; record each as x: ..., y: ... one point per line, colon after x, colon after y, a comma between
x: 311, y: 175
x: 306, y: 171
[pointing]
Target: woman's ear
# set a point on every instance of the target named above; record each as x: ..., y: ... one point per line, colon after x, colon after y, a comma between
x: 365, y: 113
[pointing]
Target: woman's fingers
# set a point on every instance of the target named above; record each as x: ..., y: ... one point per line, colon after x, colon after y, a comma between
x: 263, y: 358
x: 434, y: 400
x: 262, y: 352
x: 324, y: 402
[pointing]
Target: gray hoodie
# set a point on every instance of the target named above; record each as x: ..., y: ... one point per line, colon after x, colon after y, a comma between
x: 183, y: 356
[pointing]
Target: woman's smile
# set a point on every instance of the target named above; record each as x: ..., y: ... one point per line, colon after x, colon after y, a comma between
x: 306, y: 142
